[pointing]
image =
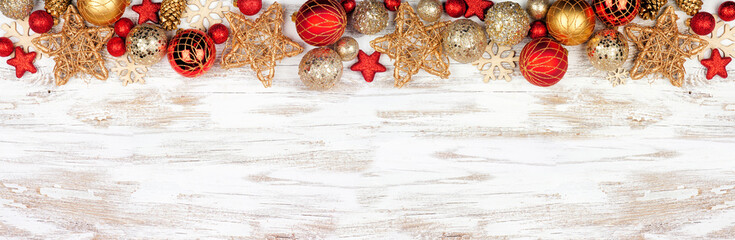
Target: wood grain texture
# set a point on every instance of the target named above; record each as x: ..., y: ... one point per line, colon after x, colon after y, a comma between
x: 221, y: 157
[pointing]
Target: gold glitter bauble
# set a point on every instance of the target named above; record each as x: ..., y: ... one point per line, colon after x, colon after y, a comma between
x: 607, y: 50
x: 429, y: 10
x: 507, y: 23
x: 369, y: 17
x: 537, y: 8
x: 146, y: 44
x: 347, y: 48
x: 320, y: 69
x: 102, y: 12
x: 464, y: 41
x: 571, y: 22
x: 16, y: 9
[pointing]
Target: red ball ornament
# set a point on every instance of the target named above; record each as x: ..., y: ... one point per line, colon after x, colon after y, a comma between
x: 616, y: 12
x: 40, y: 21
x: 249, y: 7
x: 392, y: 5
x: 219, y: 33
x: 348, y: 5
x: 320, y: 22
x: 123, y: 27
x: 727, y: 11
x: 702, y: 23
x: 455, y: 8
x: 116, y: 46
x: 6, y: 47
x: 543, y: 62
x: 537, y: 30
x: 191, y: 53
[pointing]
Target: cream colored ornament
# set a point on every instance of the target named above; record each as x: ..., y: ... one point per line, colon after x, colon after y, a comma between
x: 501, y: 59
x: 719, y: 39
x: 429, y: 10
x: 212, y: 11
x: 23, y: 36
x: 128, y: 71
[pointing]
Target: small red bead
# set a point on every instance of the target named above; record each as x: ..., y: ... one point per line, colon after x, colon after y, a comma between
x: 727, y: 11
x: 349, y: 5
x: 702, y: 23
x: 219, y: 33
x: 249, y: 7
x: 6, y: 47
x: 392, y: 5
x: 123, y: 27
x: 116, y: 46
x: 455, y: 8
x: 40, y: 21
x: 537, y: 30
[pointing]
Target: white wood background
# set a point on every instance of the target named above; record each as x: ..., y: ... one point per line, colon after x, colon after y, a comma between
x: 222, y: 157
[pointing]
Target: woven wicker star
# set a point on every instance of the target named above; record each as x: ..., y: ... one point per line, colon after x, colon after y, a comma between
x: 260, y: 43
x: 662, y: 49
x: 76, y: 48
x: 413, y: 46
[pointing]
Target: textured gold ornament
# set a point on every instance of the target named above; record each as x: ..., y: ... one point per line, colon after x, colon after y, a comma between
x: 464, y: 41
x: 571, y: 22
x: 429, y: 10
x: 16, y: 9
x: 690, y: 7
x: 369, y: 17
x: 102, y: 12
x: 537, y: 8
x: 347, y: 48
x: 56, y: 8
x: 507, y: 23
x: 170, y: 13
x: 320, y: 68
x: 662, y: 49
x: 650, y: 8
x: 607, y: 50
x: 146, y: 44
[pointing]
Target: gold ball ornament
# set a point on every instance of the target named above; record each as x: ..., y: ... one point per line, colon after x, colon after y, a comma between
x: 146, y: 44
x: 537, y: 8
x: 102, y: 12
x: 320, y: 68
x: 17, y: 9
x: 571, y: 22
x: 464, y: 41
x: 607, y: 50
x: 347, y: 48
x: 369, y: 17
x: 429, y: 10
x: 507, y: 23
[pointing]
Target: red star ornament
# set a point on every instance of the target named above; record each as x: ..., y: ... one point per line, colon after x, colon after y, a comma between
x: 368, y: 65
x: 147, y: 10
x: 23, y: 62
x: 716, y: 64
x: 477, y: 8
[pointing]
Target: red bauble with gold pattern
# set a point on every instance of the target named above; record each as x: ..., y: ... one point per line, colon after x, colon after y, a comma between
x: 116, y: 46
x: 702, y: 23
x: 543, y: 62
x: 537, y: 30
x: 6, y: 47
x: 455, y: 8
x: 40, y: 21
x: 348, y: 5
x: 191, y: 53
x: 616, y: 12
x: 726, y: 11
x: 320, y: 22
x: 392, y: 5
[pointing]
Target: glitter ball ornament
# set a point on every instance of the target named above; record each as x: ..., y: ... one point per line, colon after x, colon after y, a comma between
x: 146, y: 44
x: 249, y: 7
x: 607, y: 50
x: 219, y: 33
x: 543, y: 62
x: 123, y: 27
x: 6, y: 47
x: 702, y: 23
x: 429, y: 10
x: 320, y: 68
x: 320, y: 22
x: 507, y: 23
x: 116, y: 46
x: 616, y: 12
x: 726, y: 11
x: 347, y: 48
x: 191, y: 53
x: 571, y: 22
x: 464, y: 40
x: 538, y: 29
x: 391, y: 5
x: 102, y: 12
x: 348, y: 5
x: 16, y: 9
x: 370, y: 17
x: 455, y: 8
x: 537, y: 8
x: 40, y: 21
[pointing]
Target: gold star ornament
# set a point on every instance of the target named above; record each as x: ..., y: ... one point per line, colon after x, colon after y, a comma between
x: 662, y: 49
x: 413, y: 46
x: 76, y: 48
x: 260, y: 43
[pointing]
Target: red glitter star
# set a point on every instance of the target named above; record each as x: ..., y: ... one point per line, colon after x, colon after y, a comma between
x: 368, y: 65
x: 477, y: 8
x: 147, y: 10
x: 23, y: 62
x: 716, y: 64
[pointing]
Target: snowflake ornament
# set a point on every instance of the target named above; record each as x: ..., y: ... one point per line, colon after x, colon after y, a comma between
x: 128, y: 71
x: 501, y: 58
x: 724, y: 41
x: 617, y: 77
x: 212, y: 11
x: 21, y: 31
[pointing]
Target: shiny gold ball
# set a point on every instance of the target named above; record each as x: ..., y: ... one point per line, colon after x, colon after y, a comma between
x: 507, y: 23
x: 369, y: 17
x: 607, y: 50
x: 464, y: 41
x: 146, y: 44
x: 16, y: 9
x: 102, y: 12
x: 429, y: 10
x: 537, y: 8
x: 571, y: 22
x: 347, y: 48
x: 320, y: 68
